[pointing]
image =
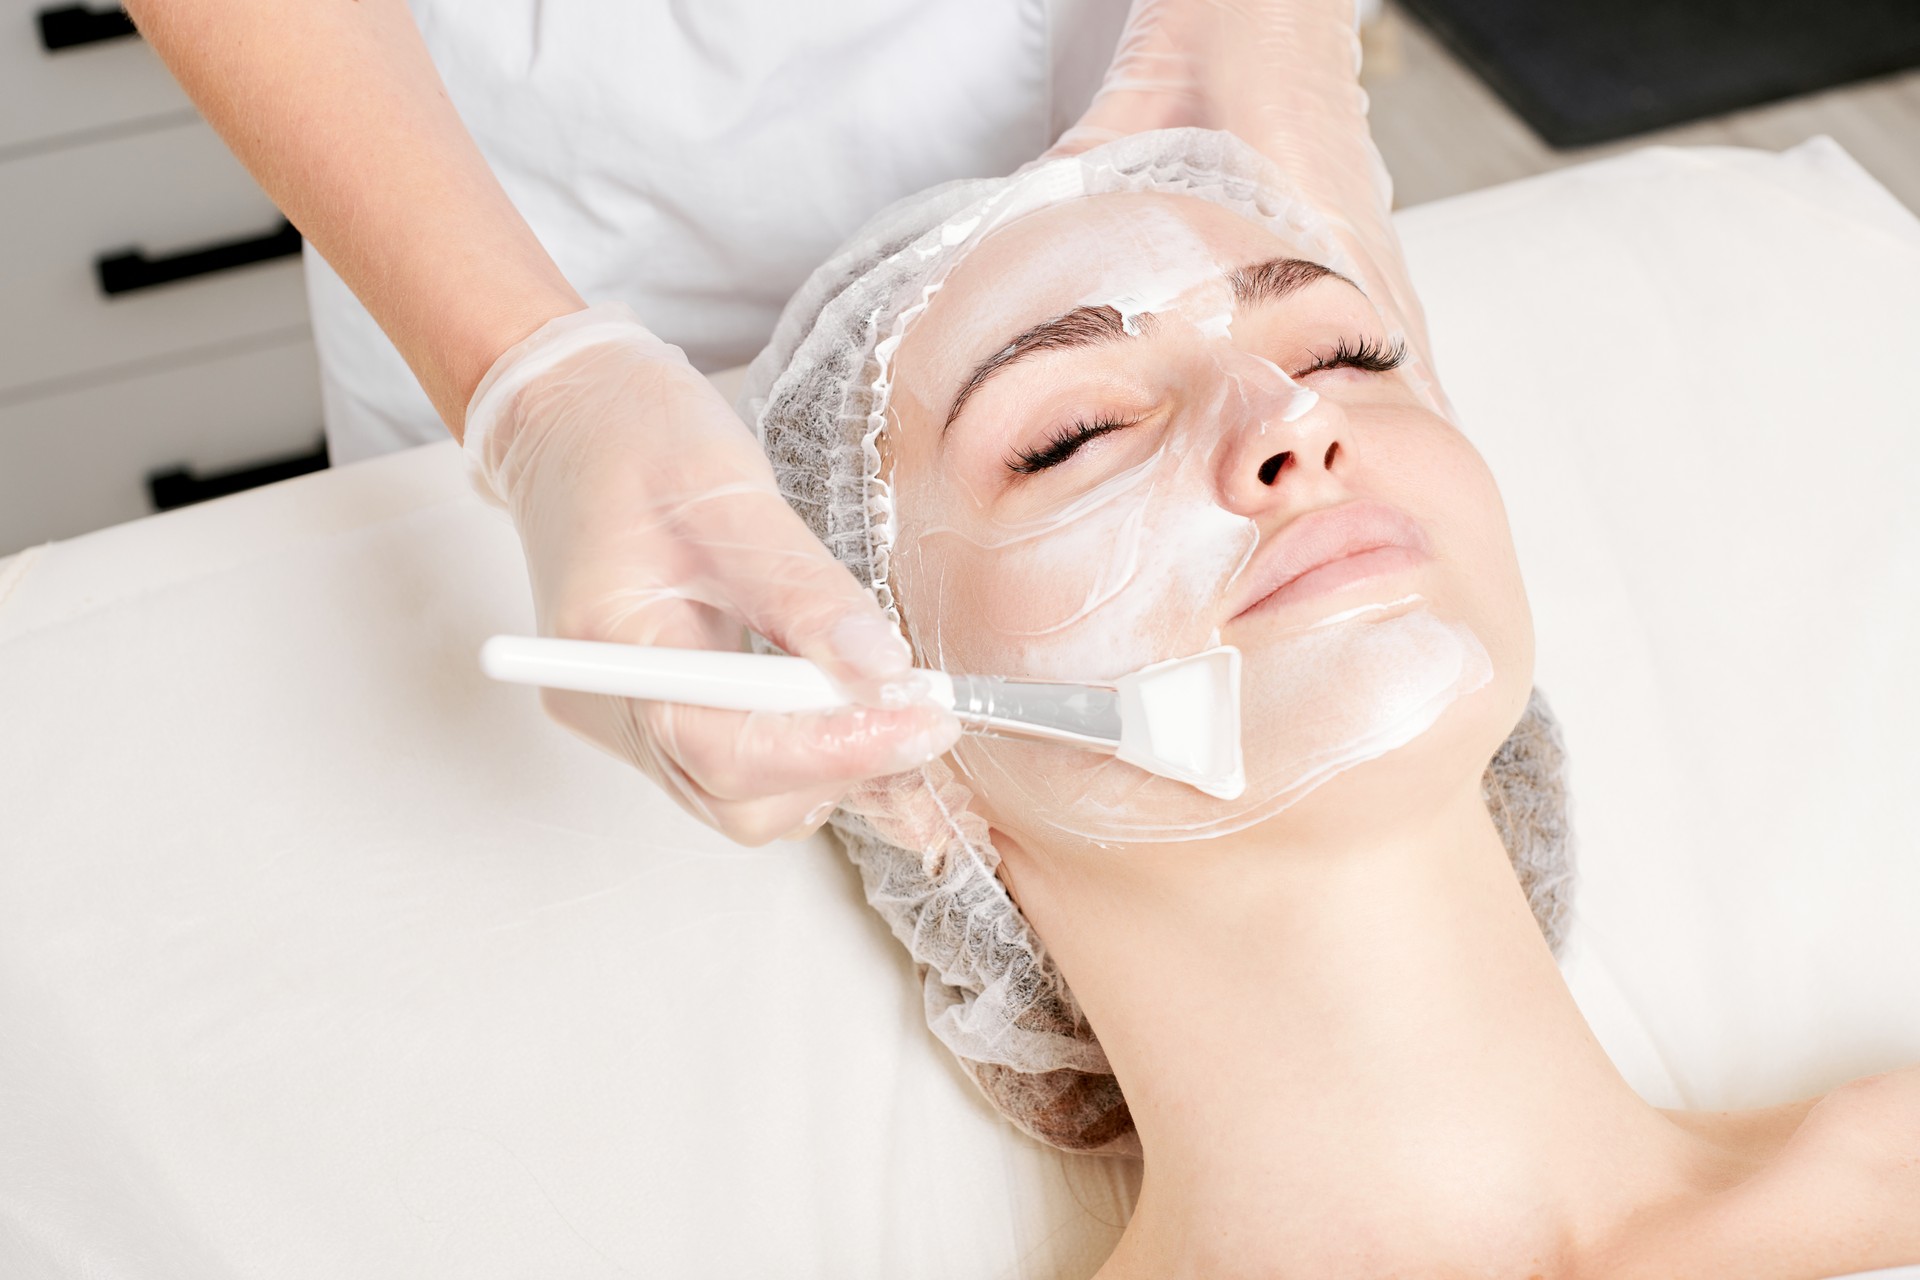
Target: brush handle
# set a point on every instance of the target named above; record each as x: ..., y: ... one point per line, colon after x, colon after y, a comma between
x: 726, y: 679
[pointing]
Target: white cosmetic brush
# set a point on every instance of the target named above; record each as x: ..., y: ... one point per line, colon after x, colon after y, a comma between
x: 1179, y: 719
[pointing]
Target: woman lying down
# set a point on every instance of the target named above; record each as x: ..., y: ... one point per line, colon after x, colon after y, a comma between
x: 1165, y: 389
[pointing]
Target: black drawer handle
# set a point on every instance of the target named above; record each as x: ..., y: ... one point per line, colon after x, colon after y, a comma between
x: 69, y: 25
x: 130, y: 269
x: 179, y: 487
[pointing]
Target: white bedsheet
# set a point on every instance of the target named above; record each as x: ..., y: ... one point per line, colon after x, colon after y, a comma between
x: 321, y: 956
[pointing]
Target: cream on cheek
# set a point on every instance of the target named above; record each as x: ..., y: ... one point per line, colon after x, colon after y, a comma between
x: 1125, y: 569
x: 1130, y: 573
x: 1139, y: 256
x: 1137, y: 570
x: 1314, y: 703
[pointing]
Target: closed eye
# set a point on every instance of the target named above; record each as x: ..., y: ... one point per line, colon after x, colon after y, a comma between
x: 1061, y: 445
x: 1365, y: 354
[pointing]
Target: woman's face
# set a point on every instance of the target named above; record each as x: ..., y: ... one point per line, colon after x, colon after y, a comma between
x: 1132, y: 427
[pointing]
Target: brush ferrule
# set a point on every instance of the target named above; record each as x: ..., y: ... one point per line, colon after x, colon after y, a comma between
x: 1051, y: 711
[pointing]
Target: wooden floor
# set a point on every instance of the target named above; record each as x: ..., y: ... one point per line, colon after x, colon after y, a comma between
x: 1444, y: 132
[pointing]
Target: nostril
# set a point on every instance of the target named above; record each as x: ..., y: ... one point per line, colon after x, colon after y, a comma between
x: 1332, y: 451
x: 1270, y: 469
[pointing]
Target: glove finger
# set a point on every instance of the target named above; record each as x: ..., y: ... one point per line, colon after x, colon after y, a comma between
x: 616, y: 726
x: 735, y: 755
x: 749, y: 755
x: 782, y: 582
x: 753, y: 821
x: 758, y: 822
x: 793, y: 816
x: 735, y: 558
x: 820, y: 807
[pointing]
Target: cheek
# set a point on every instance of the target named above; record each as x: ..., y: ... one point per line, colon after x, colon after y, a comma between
x: 1442, y: 479
x: 1487, y: 561
x: 1094, y: 597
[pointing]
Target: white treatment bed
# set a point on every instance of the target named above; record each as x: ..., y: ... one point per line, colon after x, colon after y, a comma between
x: 321, y: 956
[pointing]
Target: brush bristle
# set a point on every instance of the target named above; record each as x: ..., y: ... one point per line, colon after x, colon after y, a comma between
x: 1181, y: 720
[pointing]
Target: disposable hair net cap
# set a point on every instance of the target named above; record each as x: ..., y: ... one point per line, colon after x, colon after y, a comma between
x: 818, y: 398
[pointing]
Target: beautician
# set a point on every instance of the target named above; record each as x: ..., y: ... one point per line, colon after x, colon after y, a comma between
x: 470, y: 174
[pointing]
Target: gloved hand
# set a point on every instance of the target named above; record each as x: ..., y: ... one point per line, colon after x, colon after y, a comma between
x: 1268, y: 70
x: 1283, y: 75
x: 649, y: 516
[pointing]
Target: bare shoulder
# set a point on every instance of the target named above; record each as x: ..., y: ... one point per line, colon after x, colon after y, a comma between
x: 1857, y: 1156
x: 1831, y: 1187
x: 1871, y: 1125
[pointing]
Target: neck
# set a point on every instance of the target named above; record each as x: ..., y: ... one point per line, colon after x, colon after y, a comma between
x: 1345, y: 1060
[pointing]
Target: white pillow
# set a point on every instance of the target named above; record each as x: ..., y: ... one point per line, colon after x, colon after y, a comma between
x: 321, y: 956
x: 1693, y: 374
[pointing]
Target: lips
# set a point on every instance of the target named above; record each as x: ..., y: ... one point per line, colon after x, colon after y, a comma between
x: 1327, y: 549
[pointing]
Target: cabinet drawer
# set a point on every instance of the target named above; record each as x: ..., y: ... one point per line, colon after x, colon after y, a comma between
x: 48, y: 94
x: 80, y: 460
x: 164, y: 193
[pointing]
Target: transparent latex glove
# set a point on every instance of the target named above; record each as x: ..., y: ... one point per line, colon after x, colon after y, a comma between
x: 1283, y: 75
x: 649, y: 516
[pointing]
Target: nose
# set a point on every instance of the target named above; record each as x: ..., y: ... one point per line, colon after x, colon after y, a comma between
x: 1281, y: 443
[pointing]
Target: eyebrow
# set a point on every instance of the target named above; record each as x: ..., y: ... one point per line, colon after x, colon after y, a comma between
x: 1268, y: 281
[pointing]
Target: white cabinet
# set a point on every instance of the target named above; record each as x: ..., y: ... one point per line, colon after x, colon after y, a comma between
x: 51, y: 95
x: 161, y: 195
x: 152, y: 307
x: 81, y: 459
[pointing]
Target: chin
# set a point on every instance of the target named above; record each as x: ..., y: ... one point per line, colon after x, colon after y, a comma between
x: 1403, y: 788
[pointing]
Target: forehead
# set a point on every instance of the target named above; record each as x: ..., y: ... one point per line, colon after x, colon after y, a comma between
x: 1137, y: 251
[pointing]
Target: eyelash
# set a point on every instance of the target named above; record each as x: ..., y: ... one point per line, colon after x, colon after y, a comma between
x: 1063, y: 444
x: 1365, y: 354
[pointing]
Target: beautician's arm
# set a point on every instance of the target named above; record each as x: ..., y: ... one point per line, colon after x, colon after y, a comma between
x: 1284, y: 76
x: 647, y: 513
x: 338, y: 113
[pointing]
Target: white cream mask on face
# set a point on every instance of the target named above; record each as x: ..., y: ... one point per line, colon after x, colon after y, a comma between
x: 1124, y: 558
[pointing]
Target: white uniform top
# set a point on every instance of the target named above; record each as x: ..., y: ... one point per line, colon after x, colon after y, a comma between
x: 698, y: 159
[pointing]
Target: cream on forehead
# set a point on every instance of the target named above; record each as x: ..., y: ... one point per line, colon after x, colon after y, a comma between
x: 1179, y: 274
x: 1136, y: 253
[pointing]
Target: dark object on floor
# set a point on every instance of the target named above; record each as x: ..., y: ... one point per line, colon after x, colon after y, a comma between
x: 1586, y: 71
x: 179, y: 487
